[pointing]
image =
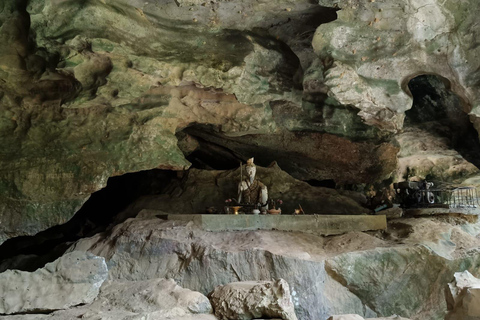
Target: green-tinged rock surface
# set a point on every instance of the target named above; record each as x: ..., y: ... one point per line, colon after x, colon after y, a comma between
x: 377, y: 47
x: 402, y: 271
x: 95, y: 89
x: 103, y: 91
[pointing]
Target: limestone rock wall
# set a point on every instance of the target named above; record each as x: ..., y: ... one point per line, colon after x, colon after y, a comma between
x: 376, y: 47
x: 109, y: 86
x: 403, y: 273
x: 71, y: 280
x: 199, y: 190
x: 102, y: 91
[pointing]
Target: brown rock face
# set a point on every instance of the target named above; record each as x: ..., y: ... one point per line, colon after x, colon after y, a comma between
x: 320, y: 156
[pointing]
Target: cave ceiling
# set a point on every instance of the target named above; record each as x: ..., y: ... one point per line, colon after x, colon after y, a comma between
x: 97, y: 88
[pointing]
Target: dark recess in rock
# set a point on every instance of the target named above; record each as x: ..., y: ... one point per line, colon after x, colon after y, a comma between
x: 439, y: 111
x: 99, y: 212
x: 329, y: 183
x: 208, y: 155
x: 308, y: 155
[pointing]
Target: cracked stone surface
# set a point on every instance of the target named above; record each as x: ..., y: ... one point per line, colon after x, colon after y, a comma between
x: 135, y: 300
x: 402, y: 271
x: 253, y: 300
x: 71, y: 280
x: 103, y: 91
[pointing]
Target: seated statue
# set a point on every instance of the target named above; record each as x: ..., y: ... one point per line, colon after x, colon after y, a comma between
x: 252, y: 191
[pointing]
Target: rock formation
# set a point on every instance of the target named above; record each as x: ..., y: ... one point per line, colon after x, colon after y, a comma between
x: 253, y: 300
x: 377, y: 47
x: 87, y: 98
x: 71, y: 280
x: 117, y: 86
x: 152, y: 299
x: 462, y: 297
x: 349, y: 94
x: 402, y: 271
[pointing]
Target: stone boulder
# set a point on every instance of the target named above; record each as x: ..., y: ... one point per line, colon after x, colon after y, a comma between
x: 70, y: 280
x: 253, y: 300
x: 463, y: 297
x: 154, y: 299
x: 157, y: 295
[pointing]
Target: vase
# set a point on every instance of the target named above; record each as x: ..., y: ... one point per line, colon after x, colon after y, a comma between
x: 235, y: 209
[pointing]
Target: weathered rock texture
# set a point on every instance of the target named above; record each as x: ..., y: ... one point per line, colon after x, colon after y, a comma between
x: 71, y: 280
x: 463, y: 296
x: 438, y: 141
x: 104, y: 91
x: 430, y: 157
x: 377, y: 47
x: 403, y: 271
x: 253, y: 300
x: 313, y: 155
x: 155, y: 299
x: 113, y: 85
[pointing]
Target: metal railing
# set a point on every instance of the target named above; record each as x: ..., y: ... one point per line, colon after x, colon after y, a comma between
x: 462, y: 197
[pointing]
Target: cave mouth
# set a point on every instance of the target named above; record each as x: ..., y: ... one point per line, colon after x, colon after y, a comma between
x: 103, y: 210
x: 112, y: 205
x: 440, y: 111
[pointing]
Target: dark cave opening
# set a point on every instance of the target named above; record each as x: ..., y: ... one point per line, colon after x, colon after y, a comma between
x: 99, y: 212
x: 114, y: 204
x: 204, y: 154
x: 328, y: 183
x: 440, y: 111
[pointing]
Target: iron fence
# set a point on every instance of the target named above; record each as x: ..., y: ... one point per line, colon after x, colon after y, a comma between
x: 461, y: 197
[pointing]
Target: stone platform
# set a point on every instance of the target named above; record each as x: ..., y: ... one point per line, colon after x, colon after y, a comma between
x: 316, y: 224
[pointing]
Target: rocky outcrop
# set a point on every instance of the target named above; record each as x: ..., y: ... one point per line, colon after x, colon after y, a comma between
x: 105, y: 91
x: 438, y: 140
x: 253, y: 300
x: 409, y: 264
x: 462, y: 297
x: 375, y: 48
x: 314, y: 155
x: 73, y: 279
x: 128, y: 300
x: 430, y: 156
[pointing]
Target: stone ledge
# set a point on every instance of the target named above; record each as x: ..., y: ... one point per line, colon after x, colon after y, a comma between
x: 316, y: 224
x: 471, y: 214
